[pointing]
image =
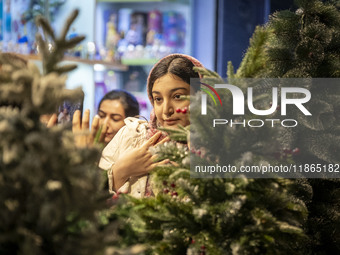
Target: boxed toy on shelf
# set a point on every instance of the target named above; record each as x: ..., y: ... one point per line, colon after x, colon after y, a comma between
x: 17, y: 26
x: 131, y: 34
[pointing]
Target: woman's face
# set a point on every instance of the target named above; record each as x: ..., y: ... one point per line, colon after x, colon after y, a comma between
x: 113, y: 112
x: 166, y: 93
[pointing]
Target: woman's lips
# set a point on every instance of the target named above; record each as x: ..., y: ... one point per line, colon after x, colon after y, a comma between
x: 171, y: 122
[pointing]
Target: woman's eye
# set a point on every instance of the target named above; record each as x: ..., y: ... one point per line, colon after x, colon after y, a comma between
x: 117, y: 119
x: 157, y: 99
x: 177, y: 96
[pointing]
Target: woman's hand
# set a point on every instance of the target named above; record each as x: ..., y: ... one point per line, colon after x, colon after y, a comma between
x: 80, y: 128
x: 52, y: 121
x: 137, y: 162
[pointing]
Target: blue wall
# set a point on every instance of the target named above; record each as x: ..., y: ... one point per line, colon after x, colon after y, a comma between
x: 204, y: 32
x: 235, y: 25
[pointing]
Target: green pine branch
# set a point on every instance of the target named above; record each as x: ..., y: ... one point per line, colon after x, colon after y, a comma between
x: 53, y: 48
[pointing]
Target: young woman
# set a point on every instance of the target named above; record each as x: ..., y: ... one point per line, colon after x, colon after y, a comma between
x: 113, y: 108
x: 127, y: 157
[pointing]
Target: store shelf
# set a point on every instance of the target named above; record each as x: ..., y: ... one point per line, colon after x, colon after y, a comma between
x: 139, y: 61
x: 108, y: 65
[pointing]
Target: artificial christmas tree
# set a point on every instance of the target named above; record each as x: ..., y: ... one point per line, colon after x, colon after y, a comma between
x: 51, y: 191
x: 251, y: 216
x: 306, y: 44
x: 223, y: 215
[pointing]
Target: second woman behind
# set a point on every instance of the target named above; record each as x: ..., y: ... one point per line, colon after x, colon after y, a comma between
x: 113, y: 108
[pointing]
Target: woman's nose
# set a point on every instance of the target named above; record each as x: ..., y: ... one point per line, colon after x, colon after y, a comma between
x: 104, y: 121
x: 168, y: 108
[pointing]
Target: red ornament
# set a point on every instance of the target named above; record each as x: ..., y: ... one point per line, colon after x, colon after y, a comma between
x: 202, y: 251
x: 296, y: 151
x: 174, y: 194
x: 178, y: 110
x: 166, y: 191
x: 287, y: 151
x: 173, y: 185
x: 185, y: 110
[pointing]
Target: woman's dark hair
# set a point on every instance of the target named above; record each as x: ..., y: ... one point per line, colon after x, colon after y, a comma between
x: 129, y: 102
x: 177, y: 65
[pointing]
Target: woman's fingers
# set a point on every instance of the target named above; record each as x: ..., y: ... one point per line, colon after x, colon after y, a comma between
x: 95, y: 123
x: 52, y: 121
x: 155, y: 164
x: 76, y: 121
x: 174, y: 163
x: 153, y: 158
x: 80, y: 128
x: 163, y: 162
x: 104, y: 128
x: 164, y: 140
x: 153, y: 139
x: 86, y: 120
x: 94, y: 127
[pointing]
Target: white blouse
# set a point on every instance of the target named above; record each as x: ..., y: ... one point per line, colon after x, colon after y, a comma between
x: 131, y: 136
